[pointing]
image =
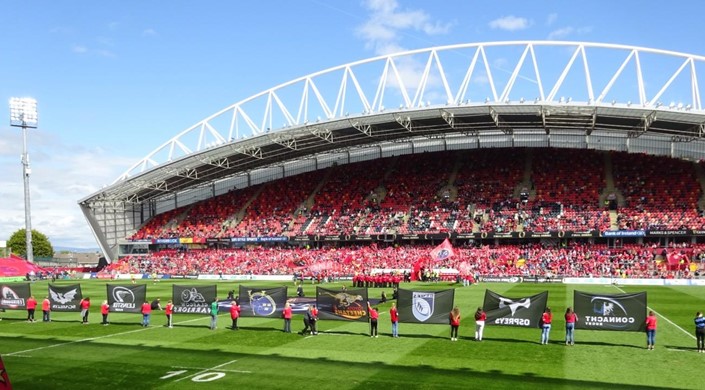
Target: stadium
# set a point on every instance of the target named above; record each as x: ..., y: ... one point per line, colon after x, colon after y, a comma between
x: 579, y: 170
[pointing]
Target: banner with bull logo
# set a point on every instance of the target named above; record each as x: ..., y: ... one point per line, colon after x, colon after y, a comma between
x: 65, y: 298
x: 427, y: 307
x: 349, y: 305
x: 126, y: 299
x: 625, y: 312
x: 524, y: 311
x: 193, y: 299
x: 14, y: 296
x: 262, y: 302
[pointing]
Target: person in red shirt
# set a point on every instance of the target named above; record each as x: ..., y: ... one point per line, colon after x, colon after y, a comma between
x: 146, y: 313
x: 480, y: 317
x: 570, y: 319
x: 651, y: 330
x: 46, y: 310
x: 169, y: 310
x: 234, y: 313
x: 454, y: 323
x: 31, y: 307
x: 85, y: 305
x: 374, y: 316
x: 394, y: 315
x: 104, y: 310
x: 286, y: 313
x: 546, y: 320
x: 314, y: 320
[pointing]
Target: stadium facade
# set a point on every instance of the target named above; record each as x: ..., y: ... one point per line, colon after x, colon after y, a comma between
x: 521, y: 94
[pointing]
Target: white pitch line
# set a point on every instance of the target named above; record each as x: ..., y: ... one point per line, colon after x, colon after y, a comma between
x: 208, y: 369
x: 662, y: 316
x: 93, y: 338
x: 203, y: 371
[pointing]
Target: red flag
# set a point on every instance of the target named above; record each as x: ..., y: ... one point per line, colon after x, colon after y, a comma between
x: 4, y: 379
x: 442, y: 251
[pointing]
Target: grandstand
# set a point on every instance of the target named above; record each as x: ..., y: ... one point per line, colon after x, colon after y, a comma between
x: 569, y: 164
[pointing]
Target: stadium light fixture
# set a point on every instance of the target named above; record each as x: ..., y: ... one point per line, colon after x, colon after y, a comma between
x: 23, y: 113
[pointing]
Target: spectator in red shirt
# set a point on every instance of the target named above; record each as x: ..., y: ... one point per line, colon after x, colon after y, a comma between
x: 286, y: 313
x: 570, y: 319
x: 234, y: 313
x: 169, y: 310
x: 650, y: 330
x: 314, y: 320
x: 104, y: 310
x: 31, y: 307
x: 546, y: 320
x: 46, y: 309
x: 394, y: 315
x: 146, y: 313
x: 374, y: 315
x: 85, y: 305
x: 454, y: 323
x: 480, y: 317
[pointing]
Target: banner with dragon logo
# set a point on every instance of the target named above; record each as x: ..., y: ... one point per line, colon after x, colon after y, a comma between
x: 348, y: 305
x: 65, y: 297
x: 193, y: 299
x: 262, y: 302
x: 426, y: 307
x: 14, y: 296
x: 524, y: 311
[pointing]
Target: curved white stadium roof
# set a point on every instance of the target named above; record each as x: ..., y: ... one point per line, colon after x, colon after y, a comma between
x: 498, y: 94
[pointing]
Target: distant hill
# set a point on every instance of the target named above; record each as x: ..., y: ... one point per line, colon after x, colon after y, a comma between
x: 75, y: 250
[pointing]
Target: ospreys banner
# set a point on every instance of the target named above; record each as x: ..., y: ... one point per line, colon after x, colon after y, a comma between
x: 525, y: 311
x: 126, y: 299
x: 262, y: 302
x: 427, y: 307
x: 65, y: 298
x: 350, y: 305
x: 14, y: 296
x: 193, y: 299
x: 610, y: 312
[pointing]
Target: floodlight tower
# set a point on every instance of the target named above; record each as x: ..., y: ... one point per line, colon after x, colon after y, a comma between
x: 23, y: 113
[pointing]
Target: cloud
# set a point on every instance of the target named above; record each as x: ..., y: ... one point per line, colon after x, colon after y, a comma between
x: 79, y: 49
x: 510, y: 23
x: 551, y: 19
x: 564, y: 32
x: 150, y: 32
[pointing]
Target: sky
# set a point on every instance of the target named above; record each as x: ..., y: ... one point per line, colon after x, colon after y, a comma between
x: 116, y: 79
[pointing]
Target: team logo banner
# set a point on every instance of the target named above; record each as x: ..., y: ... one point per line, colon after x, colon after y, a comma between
x: 14, y: 296
x: 350, y: 305
x: 65, y: 298
x: 525, y: 311
x: 262, y: 302
x: 126, y: 299
x: 193, y: 299
x: 427, y: 307
x: 625, y: 312
x: 4, y: 378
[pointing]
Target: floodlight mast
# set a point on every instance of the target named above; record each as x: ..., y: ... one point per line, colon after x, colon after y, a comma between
x: 23, y: 113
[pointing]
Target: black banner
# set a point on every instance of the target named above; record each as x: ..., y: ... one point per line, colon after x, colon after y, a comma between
x: 65, y: 298
x: 262, y: 302
x: 525, y: 311
x: 126, y: 299
x: 350, y: 305
x: 14, y: 296
x: 427, y: 307
x: 625, y: 312
x: 193, y: 299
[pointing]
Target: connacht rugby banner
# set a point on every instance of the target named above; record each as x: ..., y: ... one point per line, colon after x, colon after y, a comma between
x: 193, y: 299
x: 524, y: 311
x: 262, y: 302
x: 65, y: 298
x: 610, y: 312
x: 14, y: 296
x: 126, y: 299
x: 427, y: 307
x: 348, y: 305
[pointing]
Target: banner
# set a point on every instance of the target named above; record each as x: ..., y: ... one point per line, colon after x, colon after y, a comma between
x: 625, y: 312
x: 262, y: 302
x: 525, y: 311
x: 350, y: 305
x: 126, y: 298
x: 14, y: 296
x: 442, y: 251
x: 428, y: 307
x: 4, y: 378
x: 65, y: 298
x: 193, y: 299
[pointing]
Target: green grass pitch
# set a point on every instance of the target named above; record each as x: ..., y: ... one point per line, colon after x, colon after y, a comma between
x: 65, y: 354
